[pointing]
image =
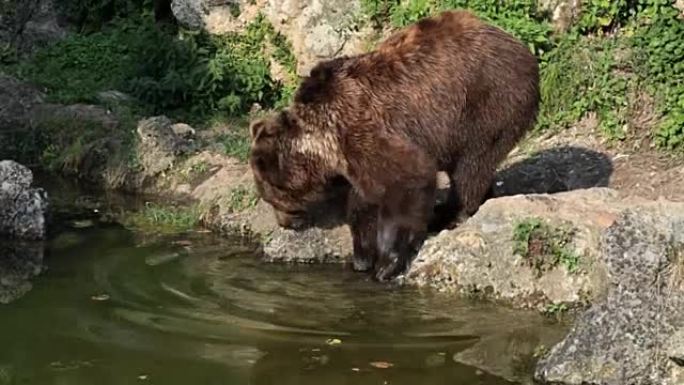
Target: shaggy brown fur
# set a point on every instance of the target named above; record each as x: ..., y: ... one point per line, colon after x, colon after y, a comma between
x: 449, y: 93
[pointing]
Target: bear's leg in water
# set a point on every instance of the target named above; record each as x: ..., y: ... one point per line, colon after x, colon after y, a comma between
x: 362, y: 218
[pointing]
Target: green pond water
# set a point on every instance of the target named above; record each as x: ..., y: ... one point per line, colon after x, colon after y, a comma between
x: 114, y: 306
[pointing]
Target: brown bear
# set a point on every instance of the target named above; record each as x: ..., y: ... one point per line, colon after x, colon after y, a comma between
x: 448, y: 93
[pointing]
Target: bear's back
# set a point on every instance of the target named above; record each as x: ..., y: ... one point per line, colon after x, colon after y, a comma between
x: 433, y: 81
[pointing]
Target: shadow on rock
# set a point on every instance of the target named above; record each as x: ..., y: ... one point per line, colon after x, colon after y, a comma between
x: 555, y: 170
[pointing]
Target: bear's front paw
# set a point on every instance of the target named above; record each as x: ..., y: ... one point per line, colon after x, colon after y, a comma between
x: 390, y: 270
x: 361, y: 264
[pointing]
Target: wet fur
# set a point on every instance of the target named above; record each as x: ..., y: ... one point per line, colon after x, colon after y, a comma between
x: 449, y: 93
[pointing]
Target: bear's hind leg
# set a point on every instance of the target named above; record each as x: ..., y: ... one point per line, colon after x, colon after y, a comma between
x: 362, y: 218
x: 473, y: 181
x: 444, y: 213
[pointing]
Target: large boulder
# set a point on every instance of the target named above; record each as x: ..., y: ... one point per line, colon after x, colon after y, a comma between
x: 17, y: 100
x: 30, y: 24
x: 22, y: 207
x: 527, y: 250
x: 20, y: 261
x: 563, y: 13
x: 318, y: 29
x: 160, y: 142
x: 634, y: 334
x: 22, y: 229
x: 216, y: 17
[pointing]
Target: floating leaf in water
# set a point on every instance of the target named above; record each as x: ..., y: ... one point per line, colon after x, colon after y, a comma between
x: 333, y: 341
x: 381, y: 364
x: 100, y: 297
x: 82, y: 224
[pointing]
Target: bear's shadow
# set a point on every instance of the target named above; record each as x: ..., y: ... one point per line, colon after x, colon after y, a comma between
x: 549, y: 171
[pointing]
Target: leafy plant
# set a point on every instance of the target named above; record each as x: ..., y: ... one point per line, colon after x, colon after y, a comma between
x: 659, y: 50
x: 556, y: 310
x: 242, y: 198
x: 165, y: 219
x: 192, y: 75
x: 603, y: 14
x: 520, y: 18
x: 544, y: 246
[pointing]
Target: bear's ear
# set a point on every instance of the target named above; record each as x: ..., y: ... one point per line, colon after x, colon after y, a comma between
x: 261, y: 128
x: 318, y: 86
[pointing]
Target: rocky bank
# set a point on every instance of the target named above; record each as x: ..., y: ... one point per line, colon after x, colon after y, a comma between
x: 554, y: 238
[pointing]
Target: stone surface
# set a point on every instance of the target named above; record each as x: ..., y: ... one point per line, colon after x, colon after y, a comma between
x: 158, y: 145
x: 30, y: 24
x: 317, y: 29
x: 679, y: 4
x: 479, y: 256
x: 634, y: 335
x: 216, y: 17
x: 22, y: 207
x: 17, y: 100
x: 563, y: 13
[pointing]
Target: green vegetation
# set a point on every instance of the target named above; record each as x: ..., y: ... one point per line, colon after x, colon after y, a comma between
x: 621, y: 62
x: 189, y: 76
x: 242, y: 198
x: 521, y: 18
x: 70, y: 146
x: 192, y: 76
x: 556, y: 310
x: 614, y: 53
x: 164, y: 219
x: 544, y: 246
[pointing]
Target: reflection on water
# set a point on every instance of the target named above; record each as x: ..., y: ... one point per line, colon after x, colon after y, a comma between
x: 200, y: 310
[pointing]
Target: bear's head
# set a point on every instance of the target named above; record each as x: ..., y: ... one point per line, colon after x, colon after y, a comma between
x: 294, y: 181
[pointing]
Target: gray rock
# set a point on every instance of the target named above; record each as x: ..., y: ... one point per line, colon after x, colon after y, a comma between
x: 634, y: 335
x: 30, y: 24
x: 22, y: 207
x: 479, y: 257
x: 679, y: 4
x: 317, y: 29
x: 158, y: 145
x: 183, y: 131
x: 17, y: 100
x: 564, y: 13
x: 113, y: 97
x: 307, y: 246
x: 190, y: 13
x: 216, y: 16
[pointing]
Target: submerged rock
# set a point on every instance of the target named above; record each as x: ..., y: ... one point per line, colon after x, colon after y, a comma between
x: 22, y: 207
x: 22, y: 228
x: 19, y: 262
